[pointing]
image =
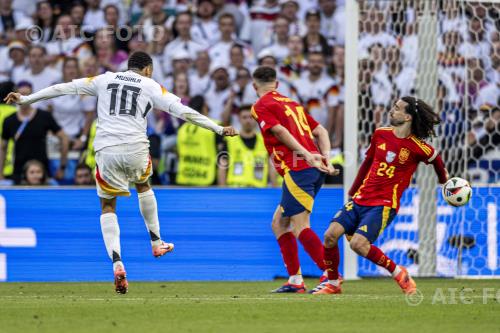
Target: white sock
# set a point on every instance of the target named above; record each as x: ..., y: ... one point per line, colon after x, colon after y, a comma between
x: 335, y: 283
x: 295, y: 279
x: 397, y: 270
x: 111, y: 235
x: 149, y: 211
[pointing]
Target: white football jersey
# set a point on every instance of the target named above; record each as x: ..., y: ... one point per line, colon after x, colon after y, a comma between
x: 123, y: 101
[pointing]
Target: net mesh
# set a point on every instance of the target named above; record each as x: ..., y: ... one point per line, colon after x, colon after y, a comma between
x: 447, y: 53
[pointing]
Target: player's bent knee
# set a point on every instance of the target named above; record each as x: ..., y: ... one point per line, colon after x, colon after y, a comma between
x: 330, y: 239
x: 144, y: 187
x: 360, y: 245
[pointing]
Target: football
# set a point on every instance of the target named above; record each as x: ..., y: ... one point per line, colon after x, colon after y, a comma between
x: 457, y: 191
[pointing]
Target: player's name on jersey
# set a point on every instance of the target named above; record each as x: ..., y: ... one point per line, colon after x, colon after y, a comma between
x: 128, y: 79
x: 283, y: 99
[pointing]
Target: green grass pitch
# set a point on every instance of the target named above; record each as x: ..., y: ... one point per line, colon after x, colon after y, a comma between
x: 370, y: 305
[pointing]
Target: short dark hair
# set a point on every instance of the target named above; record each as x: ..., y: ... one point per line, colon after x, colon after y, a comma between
x: 423, y: 117
x: 81, y: 166
x: 139, y: 60
x: 264, y: 74
x: 245, y: 107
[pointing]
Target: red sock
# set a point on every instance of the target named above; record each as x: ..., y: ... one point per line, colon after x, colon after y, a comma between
x: 378, y: 257
x: 332, y: 259
x: 290, y: 253
x: 313, y: 246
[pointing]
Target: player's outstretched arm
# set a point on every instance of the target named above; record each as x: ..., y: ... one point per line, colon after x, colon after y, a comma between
x: 440, y: 169
x: 75, y: 87
x: 181, y: 111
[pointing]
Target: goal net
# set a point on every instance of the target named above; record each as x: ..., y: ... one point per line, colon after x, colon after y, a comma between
x: 448, y: 54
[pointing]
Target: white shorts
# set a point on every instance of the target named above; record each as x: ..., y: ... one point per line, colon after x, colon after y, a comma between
x: 117, y: 166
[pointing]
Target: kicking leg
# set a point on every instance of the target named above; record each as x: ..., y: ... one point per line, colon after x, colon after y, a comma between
x: 289, y: 251
x: 111, y: 234
x: 149, y: 212
x: 361, y: 245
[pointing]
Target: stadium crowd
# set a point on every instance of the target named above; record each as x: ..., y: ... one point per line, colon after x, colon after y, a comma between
x: 204, y: 51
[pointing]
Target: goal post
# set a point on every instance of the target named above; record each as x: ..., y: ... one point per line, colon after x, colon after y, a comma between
x: 351, y: 121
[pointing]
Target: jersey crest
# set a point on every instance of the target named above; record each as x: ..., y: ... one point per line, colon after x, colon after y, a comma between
x: 390, y: 156
x: 404, y: 154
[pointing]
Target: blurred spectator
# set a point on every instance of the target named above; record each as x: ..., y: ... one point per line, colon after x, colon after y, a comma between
x: 197, y: 149
x: 200, y: 78
x: 247, y: 161
x: 183, y: 41
x: 314, y: 41
x: 380, y: 84
x: 83, y: 175
x: 279, y: 45
x: 181, y: 87
x: 152, y: 16
x: 38, y: 74
x: 121, y: 34
x: 12, y: 61
x: 489, y: 95
x: 34, y: 174
x: 290, y: 11
x: 237, y: 61
x: 67, y: 41
x: 295, y: 63
x: 450, y: 60
x: 476, y: 44
x: 45, y: 20
x: 74, y: 113
x: 220, y: 50
x: 262, y: 15
x: 181, y: 62
x: 317, y: 92
x: 5, y: 111
x: 108, y: 56
x: 29, y: 128
x: 77, y: 14
x: 403, y: 79
x: 205, y: 29
x: 332, y: 22
x: 218, y: 92
x: 374, y: 31
x: 268, y: 59
x: 8, y: 20
x: 94, y: 16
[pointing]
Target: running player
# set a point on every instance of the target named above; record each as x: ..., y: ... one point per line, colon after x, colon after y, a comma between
x: 289, y: 135
x: 386, y: 172
x: 121, y: 144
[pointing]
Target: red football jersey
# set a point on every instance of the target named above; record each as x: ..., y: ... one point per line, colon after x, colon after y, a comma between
x: 275, y: 109
x: 394, y: 160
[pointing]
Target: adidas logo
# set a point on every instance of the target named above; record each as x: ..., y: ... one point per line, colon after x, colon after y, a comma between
x: 364, y: 228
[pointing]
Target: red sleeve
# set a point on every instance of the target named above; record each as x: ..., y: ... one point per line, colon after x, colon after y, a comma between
x: 264, y: 115
x: 365, y: 166
x: 440, y: 169
x: 311, y: 121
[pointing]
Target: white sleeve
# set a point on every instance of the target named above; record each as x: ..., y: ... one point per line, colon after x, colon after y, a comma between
x: 170, y: 103
x: 179, y: 110
x: 76, y: 87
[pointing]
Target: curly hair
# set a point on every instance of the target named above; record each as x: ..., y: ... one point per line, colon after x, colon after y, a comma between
x: 423, y: 117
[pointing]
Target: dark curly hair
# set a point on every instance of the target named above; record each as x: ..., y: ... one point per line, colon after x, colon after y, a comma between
x: 423, y: 117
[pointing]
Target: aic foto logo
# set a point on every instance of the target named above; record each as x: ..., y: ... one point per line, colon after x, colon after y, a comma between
x: 13, y: 237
